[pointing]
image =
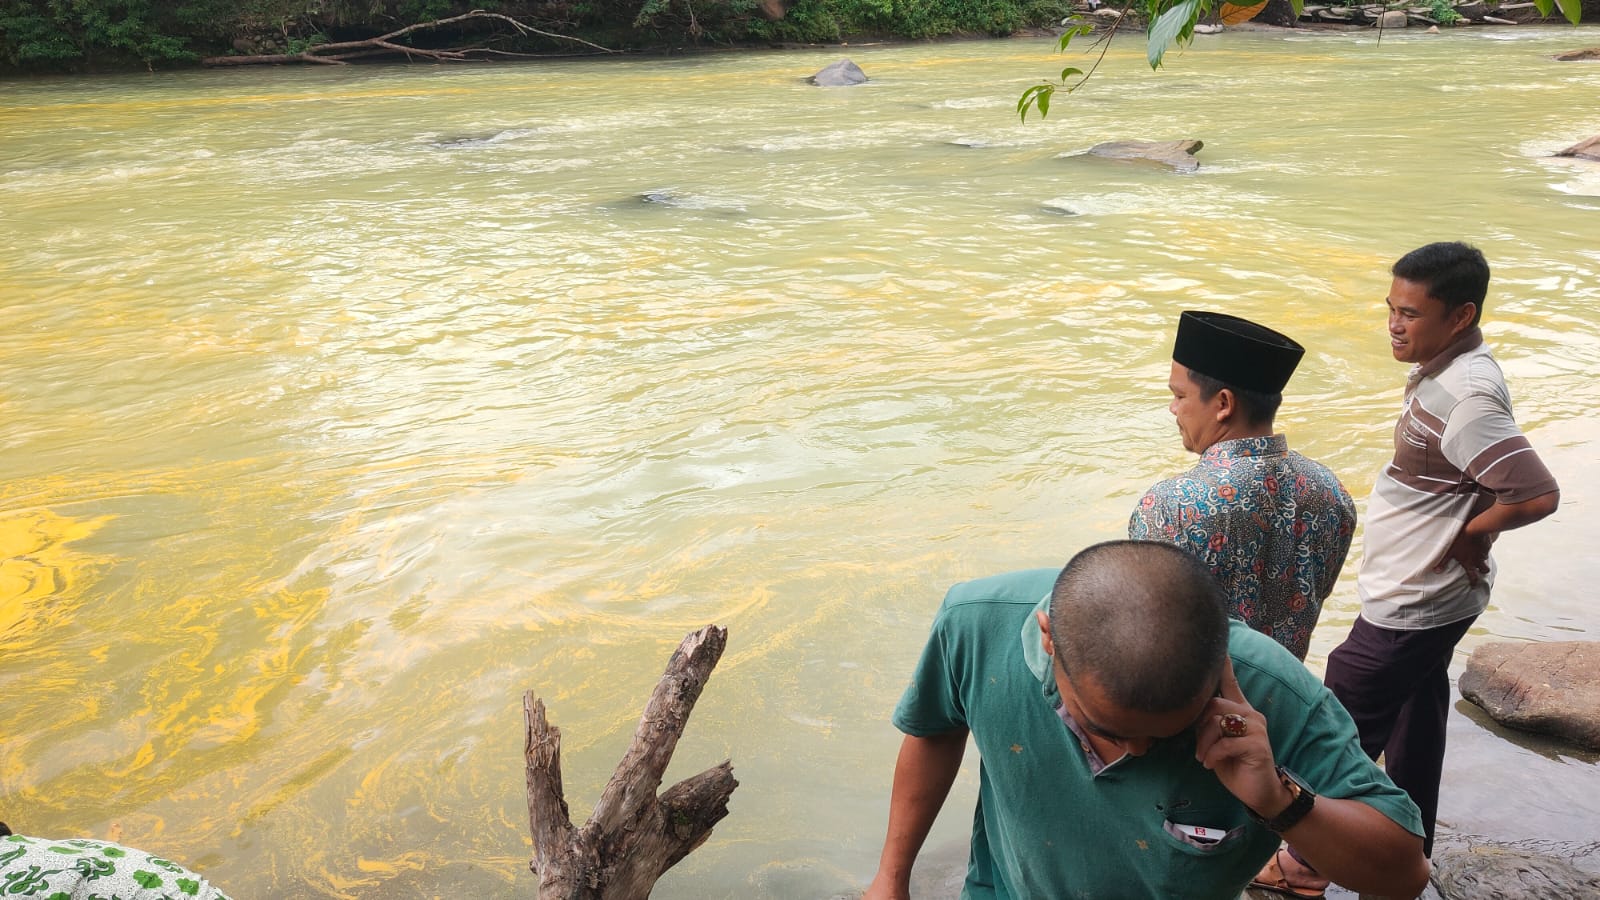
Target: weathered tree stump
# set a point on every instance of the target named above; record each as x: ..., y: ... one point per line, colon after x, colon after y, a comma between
x: 634, y: 835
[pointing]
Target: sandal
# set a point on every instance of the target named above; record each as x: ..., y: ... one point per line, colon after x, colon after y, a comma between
x: 1272, y: 878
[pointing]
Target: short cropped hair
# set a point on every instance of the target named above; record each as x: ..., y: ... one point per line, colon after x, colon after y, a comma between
x: 1145, y: 619
x: 1258, y: 407
x: 1451, y: 272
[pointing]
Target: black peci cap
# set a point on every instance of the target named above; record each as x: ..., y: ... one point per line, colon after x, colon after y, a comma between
x: 1236, y: 351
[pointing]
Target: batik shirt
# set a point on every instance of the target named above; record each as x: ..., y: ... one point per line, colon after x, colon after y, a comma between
x: 1272, y: 526
x: 81, y: 869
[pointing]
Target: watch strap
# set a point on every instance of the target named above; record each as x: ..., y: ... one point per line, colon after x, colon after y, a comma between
x: 1304, y: 799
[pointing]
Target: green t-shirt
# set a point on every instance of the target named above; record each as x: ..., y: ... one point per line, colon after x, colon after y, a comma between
x: 1047, y: 827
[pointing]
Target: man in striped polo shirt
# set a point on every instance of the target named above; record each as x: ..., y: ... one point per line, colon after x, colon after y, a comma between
x: 1462, y: 473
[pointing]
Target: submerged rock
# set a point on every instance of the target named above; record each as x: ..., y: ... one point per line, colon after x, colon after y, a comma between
x: 1177, y: 154
x: 1586, y: 53
x: 1504, y: 873
x: 1548, y: 688
x: 843, y: 73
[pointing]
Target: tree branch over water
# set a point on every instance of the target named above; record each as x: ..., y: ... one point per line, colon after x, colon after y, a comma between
x: 339, y: 53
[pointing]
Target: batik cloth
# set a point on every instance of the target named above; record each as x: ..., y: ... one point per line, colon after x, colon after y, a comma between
x: 1271, y: 525
x: 82, y: 869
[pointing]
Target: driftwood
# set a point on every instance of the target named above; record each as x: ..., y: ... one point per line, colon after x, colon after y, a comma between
x: 634, y: 835
x: 339, y: 53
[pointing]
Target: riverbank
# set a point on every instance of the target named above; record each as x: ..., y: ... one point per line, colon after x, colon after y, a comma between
x: 186, y: 35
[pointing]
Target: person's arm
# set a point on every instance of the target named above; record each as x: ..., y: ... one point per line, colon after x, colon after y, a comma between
x: 1348, y: 841
x: 1470, y: 549
x: 1386, y: 860
x: 923, y: 773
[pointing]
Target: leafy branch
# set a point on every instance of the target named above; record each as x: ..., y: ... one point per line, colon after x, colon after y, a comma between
x: 1171, y: 23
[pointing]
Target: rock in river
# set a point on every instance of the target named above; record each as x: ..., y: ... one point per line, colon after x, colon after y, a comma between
x: 1177, y: 154
x: 1589, y: 149
x: 1550, y: 688
x: 1506, y: 873
x: 843, y: 73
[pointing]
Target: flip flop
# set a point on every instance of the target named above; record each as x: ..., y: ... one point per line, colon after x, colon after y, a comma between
x: 1273, y: 880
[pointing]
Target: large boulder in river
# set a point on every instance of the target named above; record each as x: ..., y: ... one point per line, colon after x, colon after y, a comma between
x: 1589, y: 149
x: 843, y: 73
x: 1177, y: 154
x: 1550, y: 688
x: 1585, y: 54
x: 1506, y: 873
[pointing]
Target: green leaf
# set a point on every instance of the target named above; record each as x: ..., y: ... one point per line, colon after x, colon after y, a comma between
x: 1070, y: 71
x: 146, y: 879
x: 1544, y: 6
x: 1299, y: 7
x: 1038, y: 95
x: 1572, y: 9
x: 1172, y: 25
x: 189, y: 886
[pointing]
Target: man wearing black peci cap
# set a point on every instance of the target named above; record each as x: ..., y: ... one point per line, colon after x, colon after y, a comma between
x: 1271, y: 525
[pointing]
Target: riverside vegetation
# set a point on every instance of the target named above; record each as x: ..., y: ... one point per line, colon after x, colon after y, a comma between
x: 86, y: 35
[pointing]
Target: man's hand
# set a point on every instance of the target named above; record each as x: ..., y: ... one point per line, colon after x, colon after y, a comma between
x: 883, y: 888
x: 1471, y: 552
x: 1243, y: 763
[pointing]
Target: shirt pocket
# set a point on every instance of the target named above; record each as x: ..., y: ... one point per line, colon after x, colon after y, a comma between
x: 1197, y: 867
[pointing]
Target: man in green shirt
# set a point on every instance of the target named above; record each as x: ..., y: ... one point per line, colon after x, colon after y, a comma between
x: 1133, y: 743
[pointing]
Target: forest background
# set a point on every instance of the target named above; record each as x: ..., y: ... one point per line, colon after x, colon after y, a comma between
x: 94, y: 35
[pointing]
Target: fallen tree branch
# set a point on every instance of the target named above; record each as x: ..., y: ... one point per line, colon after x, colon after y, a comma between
x: 338, y: 53
x: 634, y: 835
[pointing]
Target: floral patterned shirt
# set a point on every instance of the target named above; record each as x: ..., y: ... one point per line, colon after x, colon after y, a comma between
x: 81, y: 869
x: 1270, y: 524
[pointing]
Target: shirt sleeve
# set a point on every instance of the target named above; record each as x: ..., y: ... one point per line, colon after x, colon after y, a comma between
x: 1483, y: 441
x: 1326, y: 752
x: 932, y: 703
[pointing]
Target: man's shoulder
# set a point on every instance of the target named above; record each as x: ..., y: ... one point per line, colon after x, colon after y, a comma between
x: 1307, y: 466
x: 1263, y: 666
x: 1473, y: 372
x: 1027, y: 587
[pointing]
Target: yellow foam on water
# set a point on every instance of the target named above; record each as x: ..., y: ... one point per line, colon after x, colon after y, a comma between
x: 36, y: 564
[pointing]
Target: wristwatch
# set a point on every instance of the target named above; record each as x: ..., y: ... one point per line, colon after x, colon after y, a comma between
x: 1303, y: 799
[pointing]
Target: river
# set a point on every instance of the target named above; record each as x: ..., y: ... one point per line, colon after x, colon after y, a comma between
x: 341, y: 406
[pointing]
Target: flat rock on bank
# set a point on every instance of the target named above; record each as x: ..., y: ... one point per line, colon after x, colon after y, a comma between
x: 1506, y: 873
x: 1549, y: 688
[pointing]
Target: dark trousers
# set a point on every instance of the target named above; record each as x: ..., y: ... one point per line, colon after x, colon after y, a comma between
x: 1396, y: 685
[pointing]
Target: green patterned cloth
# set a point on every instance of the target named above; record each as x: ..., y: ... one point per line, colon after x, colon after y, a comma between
x: 81, y: 869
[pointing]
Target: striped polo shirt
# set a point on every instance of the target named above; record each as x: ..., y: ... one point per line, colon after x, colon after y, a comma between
x: 1457, y: 451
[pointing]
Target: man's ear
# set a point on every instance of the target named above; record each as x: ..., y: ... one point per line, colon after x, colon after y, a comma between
x: 1044, y: 633
x: 1227, y: 405
x: 1461, y: 317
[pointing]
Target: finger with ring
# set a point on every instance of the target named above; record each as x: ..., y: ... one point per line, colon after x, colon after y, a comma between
x: 1233, y: 725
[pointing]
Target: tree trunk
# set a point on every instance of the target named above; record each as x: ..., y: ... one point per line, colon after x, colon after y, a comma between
x: 634, y: 836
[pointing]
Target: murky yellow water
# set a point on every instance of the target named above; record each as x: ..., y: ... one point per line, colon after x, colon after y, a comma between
x: 341, y: 406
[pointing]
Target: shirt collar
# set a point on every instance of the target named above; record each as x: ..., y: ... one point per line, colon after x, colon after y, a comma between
x: 1471, y: 339
x: 1039, y: 662
x: 1043, y: 668
x: 1269, y: 445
